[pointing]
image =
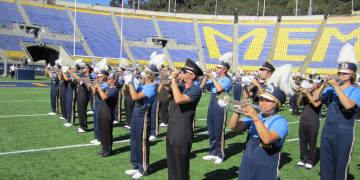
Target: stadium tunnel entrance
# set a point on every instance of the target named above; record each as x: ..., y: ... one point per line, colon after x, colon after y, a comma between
x: 41, y: 51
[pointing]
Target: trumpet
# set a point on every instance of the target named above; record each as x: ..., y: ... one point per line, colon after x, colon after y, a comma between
x: 233, y: 105
x: 90, y: 82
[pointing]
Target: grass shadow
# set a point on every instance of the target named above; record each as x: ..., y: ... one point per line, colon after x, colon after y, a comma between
x: 121, y: 150
x: 284, y: 159
x: 157, y: 166
x: 219, y: 174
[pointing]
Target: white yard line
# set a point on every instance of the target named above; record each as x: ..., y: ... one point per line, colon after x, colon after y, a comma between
x: 85, y: 145
x: 15, y: 101
x: 54, y: 148
x: 23, y: 115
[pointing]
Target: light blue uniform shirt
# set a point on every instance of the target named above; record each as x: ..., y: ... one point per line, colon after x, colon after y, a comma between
x: 225, y: 82
x: 275, y: 123
x: 150, y: 92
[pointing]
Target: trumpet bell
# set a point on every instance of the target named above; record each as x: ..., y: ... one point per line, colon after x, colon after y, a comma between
x: 224, y: 100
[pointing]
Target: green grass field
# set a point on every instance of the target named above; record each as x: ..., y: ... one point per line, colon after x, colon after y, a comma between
x: 39, y: 130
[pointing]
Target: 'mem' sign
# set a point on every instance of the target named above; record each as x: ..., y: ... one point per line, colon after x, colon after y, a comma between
x: 292, y: 44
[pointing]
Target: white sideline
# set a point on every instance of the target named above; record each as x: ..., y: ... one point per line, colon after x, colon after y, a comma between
x: 54, y: 148
x: 85, y: 145
x: 14, y: 101
x: 24, y: 115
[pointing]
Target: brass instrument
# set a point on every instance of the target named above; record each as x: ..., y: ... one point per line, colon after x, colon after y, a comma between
x: 165, y: 77
x: 231, y: 104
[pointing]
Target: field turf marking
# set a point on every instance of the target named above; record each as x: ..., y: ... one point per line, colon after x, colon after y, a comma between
x: 85, y: 145
x: 23, y: 115
x: 14, y: 101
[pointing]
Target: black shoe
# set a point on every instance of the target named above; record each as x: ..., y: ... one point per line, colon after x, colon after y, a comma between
x: 106, y: 154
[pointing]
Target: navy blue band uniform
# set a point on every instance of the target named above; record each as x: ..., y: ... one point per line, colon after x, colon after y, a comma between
x: 154, y: 115
x: 337, y: 137
x: 261, y: 161
x: 105, y: 114
x: 62, y: 93
x: 140, y: 132
x: 70, y: 99
x: 54, y: 92
x: 216, y: 118
x: 180, y: 134
x: 308, y: 131
x: 128, y: 104
x: 83, y: 98
x: 165, y: 97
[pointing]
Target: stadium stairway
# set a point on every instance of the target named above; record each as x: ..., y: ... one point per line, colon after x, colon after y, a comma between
x: 165, y: 49
x: 199, y: 45
x: 309, y: 56
x: 122, y: 38
x: 23, y: 14
x: 273, y: 43
x: 79, y: 34
x: 235, y: 50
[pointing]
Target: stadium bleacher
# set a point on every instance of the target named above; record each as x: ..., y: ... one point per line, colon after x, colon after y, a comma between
x: 137, y: 29
x: 100, y: 33
x: 57, y: 21
x: 143, y: 53
x: 9, y: 14
x: 182, y: 32
x: 181, y: 55
x: 216, y: 39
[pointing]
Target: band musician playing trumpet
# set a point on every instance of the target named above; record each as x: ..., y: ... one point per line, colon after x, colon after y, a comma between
x: 180, y: 128
x: 267, y: 133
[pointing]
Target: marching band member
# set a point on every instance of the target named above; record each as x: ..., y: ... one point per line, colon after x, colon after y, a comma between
x: 157, y: 60
x: 237, y: 89
x: 180, y: 129
x: 343, y: 101
x: 101, y: 79
x: 154, y: 118
x: 128, y: 105
x: 309, y: 123
x: 119, y: 86
x: 216, y: 115
x: 70, y: 94
x: 62, y: 93
x: 267, y: 133
x: 106, y: 94
x: 265, y: 73
x: 54, y: 84
x: 165, y: 97
x: 83, y: 96
x: 139, y: 133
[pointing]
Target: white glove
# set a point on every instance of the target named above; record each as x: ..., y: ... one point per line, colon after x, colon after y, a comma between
x: 221, y: 103
x: 128, y: 78
x: 64, y: 69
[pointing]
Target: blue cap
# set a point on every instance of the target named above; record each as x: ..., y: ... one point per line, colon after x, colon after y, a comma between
x: 346, y: 66
x: 275, y: 94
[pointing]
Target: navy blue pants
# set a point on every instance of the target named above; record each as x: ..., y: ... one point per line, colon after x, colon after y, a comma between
x: 53, y: 95
x: 96, y: 122
x: 259, y: 163
x: 335, y: 150
x: 70, y: 102
x: 62, y: 93
x: 237, y: 91
x: 155, y: 117
x: 117, y: 112
x: 215, y: 121
x: 139, y: 138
